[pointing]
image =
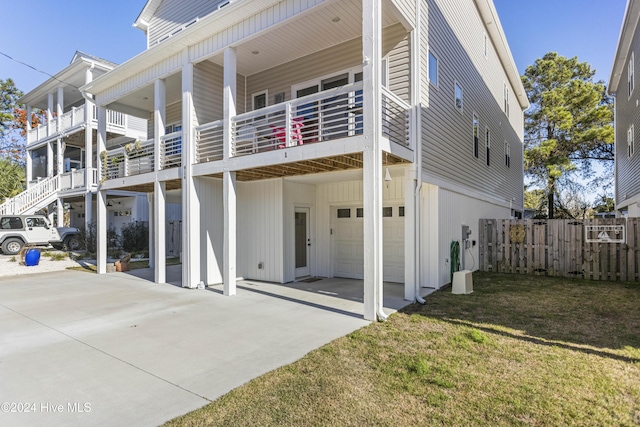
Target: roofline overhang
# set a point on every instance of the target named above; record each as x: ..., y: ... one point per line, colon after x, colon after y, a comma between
x: 142, y: 21
x: 59, y: 80
x: 489, y: 16
x: 627, y: 31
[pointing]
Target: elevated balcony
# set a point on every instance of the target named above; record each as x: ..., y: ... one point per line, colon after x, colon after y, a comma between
x: 74, y: 120
x: 330, y: 115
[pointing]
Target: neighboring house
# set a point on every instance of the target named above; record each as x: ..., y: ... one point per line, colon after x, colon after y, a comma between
x: 622, y: 85
x: 338, y: 138
x: 62, y: 176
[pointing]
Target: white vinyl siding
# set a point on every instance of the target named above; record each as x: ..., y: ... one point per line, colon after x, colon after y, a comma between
x: 172, y: 15
x: 457, y: 29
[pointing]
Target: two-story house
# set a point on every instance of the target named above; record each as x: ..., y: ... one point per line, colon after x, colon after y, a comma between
x: 627, y: 114
x: 62, y: 176
x: 334, y: 138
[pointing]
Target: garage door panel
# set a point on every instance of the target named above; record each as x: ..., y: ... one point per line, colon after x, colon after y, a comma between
x: 348, y: 252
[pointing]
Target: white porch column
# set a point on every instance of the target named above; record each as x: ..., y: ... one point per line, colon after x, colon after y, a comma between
x: 190, y: 201
x: 229, y: 273
x: 159, y: 232
x: 59, y: 156
x: 410, y: 233
x: 229, y: 97
x: 49, y: 114
x: 29, y: 168
x: 151, y: 228
x: 413, y: 174
x: 101, y: 202
x: 60, y: 106
x: 372, y: 156
x: 49, y: 159
x: 28, y: 118
x: 88, y: 154
x: 60, y: 213
x: 159, y: 119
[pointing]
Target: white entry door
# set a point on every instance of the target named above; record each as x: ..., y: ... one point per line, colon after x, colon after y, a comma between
x: 348, y: 243
x: 302, y: 242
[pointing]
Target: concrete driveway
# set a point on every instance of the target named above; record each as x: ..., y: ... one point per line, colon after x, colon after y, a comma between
x: 84, y: 349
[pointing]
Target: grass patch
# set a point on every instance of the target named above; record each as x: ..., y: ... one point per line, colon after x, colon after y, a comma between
x: 518, y: 351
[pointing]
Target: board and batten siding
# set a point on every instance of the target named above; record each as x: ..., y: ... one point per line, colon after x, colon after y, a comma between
x: 330, y: 61
x: 454, y: 32
x: 297, y: 195
x: 627, y: 114
x: 443, y: 214
x: 173, y: 14
x: 260, y: 230
x: 212, y: 229
x: 343, y: 194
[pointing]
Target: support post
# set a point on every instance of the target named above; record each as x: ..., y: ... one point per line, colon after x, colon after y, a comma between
x: 150, y: 200
x: 49, y: 159
x: 49, y: 114
x: 29, y: 167
x: 88, y: 154
x: 60, y: 107
x: 410, y: 233
x: 229, y: 98
x: 190, y: 201
x: 101, y: 202
x: 229, y: 273
x: 372, y: 156
x: 159, y: 120
x: 159, y: 232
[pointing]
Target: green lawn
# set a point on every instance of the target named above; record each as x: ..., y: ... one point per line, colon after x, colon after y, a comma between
x: 520, y: 350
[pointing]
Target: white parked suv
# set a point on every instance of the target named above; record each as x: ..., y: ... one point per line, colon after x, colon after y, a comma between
x: 19, y: 230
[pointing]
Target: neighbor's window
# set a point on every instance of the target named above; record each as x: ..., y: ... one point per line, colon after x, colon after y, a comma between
x: 476, y: 136
x: 259, y: 100
x: 631, y: 73
x: 387, y: 212
x: 488, y: 145
x: 433, y: 69
x: 458, y: 94
x: 485, y: 45
x: 631, y: 140
x: 507, y: 154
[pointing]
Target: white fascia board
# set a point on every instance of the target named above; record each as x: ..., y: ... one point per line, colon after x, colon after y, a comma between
x: 205, y: 27
x: 492, y: 23
x: 627, y: 31
x: 147, y: 12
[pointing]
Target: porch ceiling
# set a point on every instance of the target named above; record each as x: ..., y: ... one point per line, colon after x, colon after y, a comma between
x: 175, y: 184
x: 321, y: 28
x: 314, y: 166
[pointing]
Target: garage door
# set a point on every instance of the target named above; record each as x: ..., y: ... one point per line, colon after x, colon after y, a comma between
x: 348, y: 253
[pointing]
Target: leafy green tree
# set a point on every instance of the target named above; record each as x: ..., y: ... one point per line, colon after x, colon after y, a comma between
x: 12, y: 178
x: 569, y: 124
x: 605, y: 204
x: 12, y: 144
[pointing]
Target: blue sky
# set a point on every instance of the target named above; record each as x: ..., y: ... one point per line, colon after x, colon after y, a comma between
x: 587, y: 29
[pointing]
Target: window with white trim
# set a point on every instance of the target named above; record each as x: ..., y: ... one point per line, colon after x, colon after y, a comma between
x: 476, y: 136
x: 631, y: 74
x: 507, y: 154
x: 259, y: 100
x: 631, y: 140
x: 487, y: 135
x: 433, y: 69
x: 458, y: 96
x: 485, y: 44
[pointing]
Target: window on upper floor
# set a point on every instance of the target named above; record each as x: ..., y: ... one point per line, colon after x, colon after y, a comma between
x: 476, y: 135
x: 259, y: 100
x: 631, y: 74
x: 507, y: 154
x: 487, y: 134
x: 631, y: 140
x: 433, y: 69
x: 506, y: 99
x: 458, y: 96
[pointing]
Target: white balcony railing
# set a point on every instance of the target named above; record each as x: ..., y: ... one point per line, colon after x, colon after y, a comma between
x: 171, y: 150
x: 209, y: 142
x: 136, y: 159
x: 395, y: 118
x: 116, y: 121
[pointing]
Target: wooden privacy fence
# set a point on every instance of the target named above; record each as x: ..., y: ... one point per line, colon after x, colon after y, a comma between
x: 587, y: 249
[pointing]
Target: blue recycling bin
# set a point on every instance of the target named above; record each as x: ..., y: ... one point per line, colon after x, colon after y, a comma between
x: 32, y: 257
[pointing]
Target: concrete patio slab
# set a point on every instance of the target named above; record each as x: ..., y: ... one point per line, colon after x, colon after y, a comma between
x: 84, y: 349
